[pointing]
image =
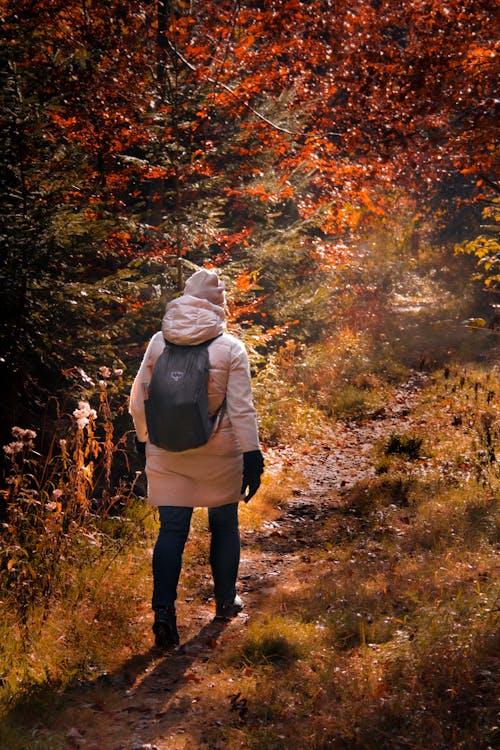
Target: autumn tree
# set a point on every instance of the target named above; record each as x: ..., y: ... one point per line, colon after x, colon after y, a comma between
x: 70, y: 88
x: 263, y: 137
x: 485, y: 249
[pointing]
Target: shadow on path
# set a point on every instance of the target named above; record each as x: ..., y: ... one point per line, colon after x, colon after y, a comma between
x: 137, y: 705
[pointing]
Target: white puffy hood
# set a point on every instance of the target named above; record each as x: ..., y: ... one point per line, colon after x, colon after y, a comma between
x: 191, y: 320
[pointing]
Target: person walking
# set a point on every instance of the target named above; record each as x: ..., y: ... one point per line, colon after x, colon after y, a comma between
x: 216, y: 475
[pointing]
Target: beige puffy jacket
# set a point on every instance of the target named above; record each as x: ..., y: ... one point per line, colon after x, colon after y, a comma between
x: 210, y: 474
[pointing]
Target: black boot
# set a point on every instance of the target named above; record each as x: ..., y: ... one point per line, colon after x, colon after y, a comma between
x: 228, y: 610
x: 165, y: 627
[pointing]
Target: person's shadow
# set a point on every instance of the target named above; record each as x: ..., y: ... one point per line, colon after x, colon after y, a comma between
x: 143, y: 690
x: 177, y: 660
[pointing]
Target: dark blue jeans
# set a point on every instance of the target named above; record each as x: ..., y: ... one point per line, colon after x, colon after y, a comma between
x: 224, y: 551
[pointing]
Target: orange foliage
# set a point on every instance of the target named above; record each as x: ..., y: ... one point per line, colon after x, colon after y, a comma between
x: 335, y: 101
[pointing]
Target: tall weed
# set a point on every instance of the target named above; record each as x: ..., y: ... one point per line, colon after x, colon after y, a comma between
x: 53, y: 506
x: 68, y: 526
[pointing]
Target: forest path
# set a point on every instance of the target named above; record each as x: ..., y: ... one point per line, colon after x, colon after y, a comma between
x: 166, y: 701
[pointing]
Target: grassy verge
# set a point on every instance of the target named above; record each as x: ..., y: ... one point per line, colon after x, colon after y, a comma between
x: 94, y: 618
x: 389, y: 636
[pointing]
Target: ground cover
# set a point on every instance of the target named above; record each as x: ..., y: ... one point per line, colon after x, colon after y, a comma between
x: 368, y: 573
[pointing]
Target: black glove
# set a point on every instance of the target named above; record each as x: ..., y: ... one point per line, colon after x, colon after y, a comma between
x: 253, y: 466
x: 140, y: 448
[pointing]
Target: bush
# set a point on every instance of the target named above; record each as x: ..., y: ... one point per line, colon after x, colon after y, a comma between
x: 407, y: 445
x: 55, y: 506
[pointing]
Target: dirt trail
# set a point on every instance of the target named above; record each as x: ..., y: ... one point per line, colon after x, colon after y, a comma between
x: 155, y: 701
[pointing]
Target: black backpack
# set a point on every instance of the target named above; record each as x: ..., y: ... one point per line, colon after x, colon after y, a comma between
x: 176, y: 409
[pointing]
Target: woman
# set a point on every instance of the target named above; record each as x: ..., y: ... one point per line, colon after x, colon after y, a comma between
x: 216, y: 475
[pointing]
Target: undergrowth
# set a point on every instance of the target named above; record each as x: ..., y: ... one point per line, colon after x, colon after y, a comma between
x: 70, y: 536
x: 387, y: 637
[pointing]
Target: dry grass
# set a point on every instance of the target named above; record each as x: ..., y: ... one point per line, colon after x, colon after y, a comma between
x: 389, y: 636
x: 382, y: 637
x: 92, y: 625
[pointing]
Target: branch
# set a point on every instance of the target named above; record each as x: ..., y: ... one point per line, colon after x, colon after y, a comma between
x: 259, y: 115
x: 230, y: 91
x: 494, y: 185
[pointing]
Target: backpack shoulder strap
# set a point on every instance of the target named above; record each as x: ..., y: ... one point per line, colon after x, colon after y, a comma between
x: 203, y: 343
